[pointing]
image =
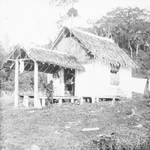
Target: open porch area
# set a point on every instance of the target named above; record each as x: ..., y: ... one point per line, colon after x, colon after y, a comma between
x: 56, y: 67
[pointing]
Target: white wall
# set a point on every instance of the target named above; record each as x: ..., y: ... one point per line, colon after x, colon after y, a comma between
x: 91, y: 82
x: 138, y: 85
x: 130, y: 83
x: 125, y: 87
x: 95, y: 81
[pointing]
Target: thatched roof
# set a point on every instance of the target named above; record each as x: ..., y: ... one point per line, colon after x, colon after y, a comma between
x: 103, y: 49
x: 55, y: 58
x: 46, y: 56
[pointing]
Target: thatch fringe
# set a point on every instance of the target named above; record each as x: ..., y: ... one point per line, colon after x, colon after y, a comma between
x: 50, y: 57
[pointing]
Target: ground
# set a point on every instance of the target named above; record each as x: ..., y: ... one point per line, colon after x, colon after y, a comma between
x: 76, y: 127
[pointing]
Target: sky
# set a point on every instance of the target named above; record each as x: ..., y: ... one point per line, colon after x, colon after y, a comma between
x: 34, y: 21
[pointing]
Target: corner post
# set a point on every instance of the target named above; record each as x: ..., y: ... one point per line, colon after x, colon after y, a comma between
x: 62, y: 85
x: 16, y: 83
x: 75, y: 83
x: 36, y: 100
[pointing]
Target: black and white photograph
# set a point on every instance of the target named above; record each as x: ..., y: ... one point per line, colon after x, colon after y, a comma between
x: 74, y: 75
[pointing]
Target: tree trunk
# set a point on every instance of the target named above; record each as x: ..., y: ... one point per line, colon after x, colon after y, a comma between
x: 16, y: 83
x: 0, y: 87
x: 129, y: 45
x: 137, y: 50
x: 109, y: 32
x: 146, y: 90
x: 144, y: 47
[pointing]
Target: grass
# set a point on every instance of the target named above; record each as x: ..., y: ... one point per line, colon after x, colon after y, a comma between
x: 61, y: 127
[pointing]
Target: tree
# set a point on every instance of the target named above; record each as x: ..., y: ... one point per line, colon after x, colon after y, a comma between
x: 2, y: 55
x: 68, y: 18
x: 2, y: 73
x: 144, y: 63
x: 59, y: 3
x: 72, y: 12
x: 129, y: 27
x: 66, y: 11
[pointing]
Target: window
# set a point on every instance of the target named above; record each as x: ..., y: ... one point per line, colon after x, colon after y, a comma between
x: 114, y: 74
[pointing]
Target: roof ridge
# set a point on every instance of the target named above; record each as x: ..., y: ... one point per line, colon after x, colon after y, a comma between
x: 91, y: 34
x: 39, y: 48
x: 51, y: 51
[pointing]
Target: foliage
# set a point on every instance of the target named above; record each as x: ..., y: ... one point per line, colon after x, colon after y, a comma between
x: 2, y: 73
x: 129, y: 27
x: 72, y: 12
x: 26, y: 81
x: 8, y: 81
x: 2, y: 55
x: 62, y: 2
x: 67, y: 10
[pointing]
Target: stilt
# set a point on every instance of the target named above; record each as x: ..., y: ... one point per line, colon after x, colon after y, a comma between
x: 75, y: 83
x: 16, y: 83
x: 49, y: 77
x: 26, y: 101
x: 60, y: 101
x: 93, y: 99
x: 21, y: 67
x: 81, y: 100
x: 113, y: 100
x: 36, y: 99
x: 43, y: 101
x: 62, y: 85
x: 72, y: 100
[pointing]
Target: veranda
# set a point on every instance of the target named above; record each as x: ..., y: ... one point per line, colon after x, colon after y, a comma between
x: 46, y: 61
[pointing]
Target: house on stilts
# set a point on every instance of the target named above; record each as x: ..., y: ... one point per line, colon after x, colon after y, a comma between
x: 88, y: 67
x: 108, y: 68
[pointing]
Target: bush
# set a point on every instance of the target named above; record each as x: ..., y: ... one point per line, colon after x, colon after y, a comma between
x: 130, y: 141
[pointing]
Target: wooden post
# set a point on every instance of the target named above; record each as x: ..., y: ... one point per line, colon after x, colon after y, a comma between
x: 81, y: 100
x: 21, y: 67
x: 49, y: 77
x: 60, y: 101
x: 96, y: 99
x: 36, y: 100
x: 16, y: 83
x: 75, y: 82
x: 72, y: 100
x: 43, y: 101
x: 93, y: 99
x: 62, y: 85
x: 26, y: 101
x: 113, y: 100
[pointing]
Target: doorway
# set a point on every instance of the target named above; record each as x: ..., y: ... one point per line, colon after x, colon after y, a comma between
x: 69, y: 80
